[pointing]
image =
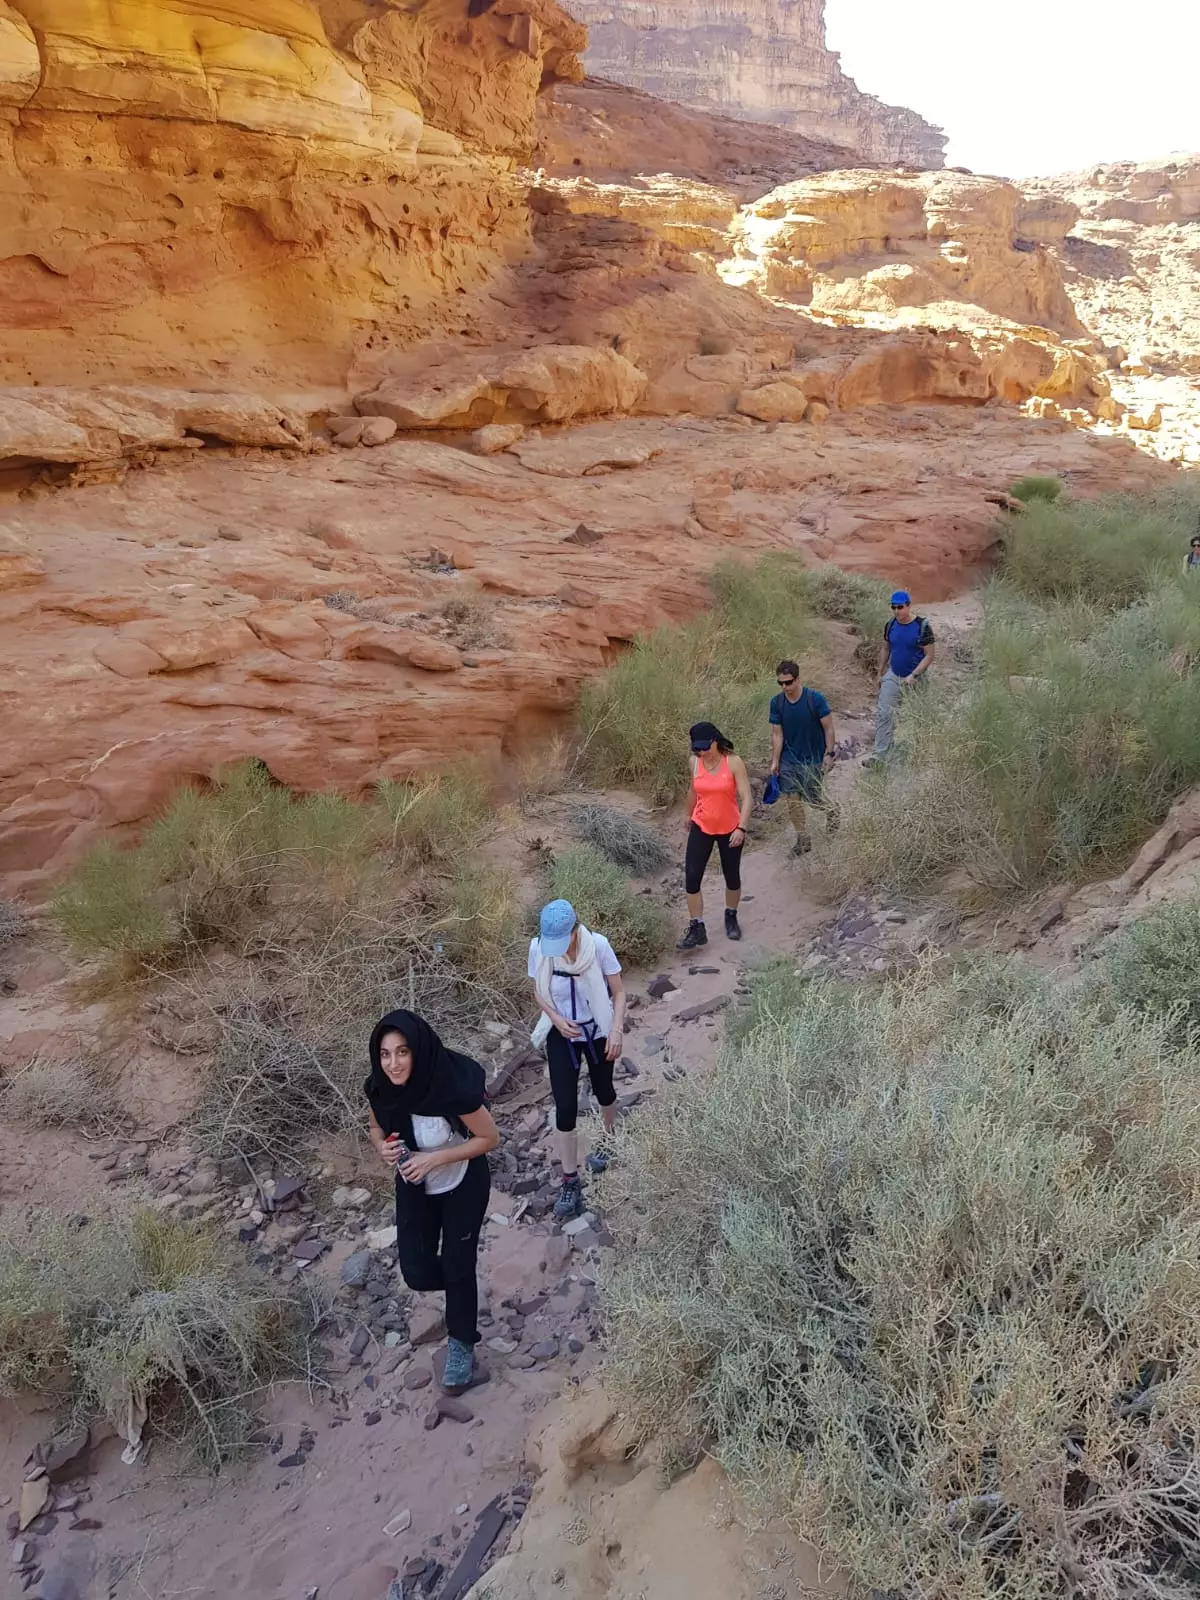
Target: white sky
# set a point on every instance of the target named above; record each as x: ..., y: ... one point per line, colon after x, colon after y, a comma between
x: 1031, y: 87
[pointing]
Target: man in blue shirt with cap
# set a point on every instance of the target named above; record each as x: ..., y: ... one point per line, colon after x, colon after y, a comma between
x: 905, y: 656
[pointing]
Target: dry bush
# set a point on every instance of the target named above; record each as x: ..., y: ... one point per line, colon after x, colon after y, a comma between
x: 12, y: 922
x: 59, y: 1094
x: 1153, y: 966
x: 546, y: 771
x: 927, y: 1279
x: 472, y: 616
x: 437, y: 818
x: 627, y: 841
x: 118, y: 1312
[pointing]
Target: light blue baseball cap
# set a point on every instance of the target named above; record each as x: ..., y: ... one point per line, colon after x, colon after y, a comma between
x: 555, y: 928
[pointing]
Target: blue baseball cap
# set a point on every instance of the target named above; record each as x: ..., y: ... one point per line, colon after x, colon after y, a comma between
x: 902, y: 598
x: 556, y: 925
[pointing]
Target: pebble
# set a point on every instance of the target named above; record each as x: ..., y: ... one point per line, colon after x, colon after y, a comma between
x: 544, y: 1350
x: 522, y: 1362
x: 418, y: 1378
x: 461, y: 1511
x: 382, y: 1238
x: 394, y: 1340
x: 359, y: 1342
x: 371, y: 1418
x: 400, y: 1523
x: 452, y: 1408
x: 356, y: 1269
x: 578, y: 1224
x: 502, y: 1347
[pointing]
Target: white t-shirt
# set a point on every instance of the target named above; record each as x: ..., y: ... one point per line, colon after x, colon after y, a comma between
x: 561, y: 985
x: 435, y: 1133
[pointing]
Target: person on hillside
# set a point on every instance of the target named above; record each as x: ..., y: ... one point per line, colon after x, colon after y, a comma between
x: 720, y: 814
x: 905, y: 656
x: 578, y: 986
x: 1191, y: 562
x: 429, y: 1122
x: 802, y: 751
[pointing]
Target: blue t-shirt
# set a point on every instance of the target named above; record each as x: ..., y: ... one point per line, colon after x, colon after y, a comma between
x: 803, y: 735
x: 907, y: 642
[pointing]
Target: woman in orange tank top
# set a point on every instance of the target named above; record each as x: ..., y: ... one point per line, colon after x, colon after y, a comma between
x: 721, y: 810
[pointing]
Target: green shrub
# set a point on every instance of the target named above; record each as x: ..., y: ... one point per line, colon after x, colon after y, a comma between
x: 637, y: 929
x: 1109, y: 552
x: 119, y: 1311
x: 437, y: 818
x: 929, y: 1284
x: 1034, y: 488
x: 627, y: 841
x: 718, y: 668
x: 1064, y: 752
x: 1153, y: 965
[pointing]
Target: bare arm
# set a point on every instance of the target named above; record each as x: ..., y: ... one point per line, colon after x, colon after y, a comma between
x: 616, y: 989
x: 776, y: 746
x: 568, y: 1029
x: 925, y: 661
x: 885, y: 656
x: 375, y: 1134
x: 745, y: 796
x: 830, y: 737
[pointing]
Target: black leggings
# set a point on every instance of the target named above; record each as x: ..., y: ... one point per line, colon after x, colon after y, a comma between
x: 564, y: 1076
x: 699, y: 849
x: 437, y: 1237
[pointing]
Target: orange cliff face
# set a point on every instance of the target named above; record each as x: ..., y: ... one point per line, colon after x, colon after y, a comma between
x: 224, y: 193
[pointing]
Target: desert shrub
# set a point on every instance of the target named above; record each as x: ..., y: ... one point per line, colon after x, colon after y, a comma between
x: 775, y: 989
x: 719, y: 667
x: 118, y: 1312
x: 1062, y: 755
x: 437, y: 818
x: 472, y: 615
x: 935, y: 1298
x: 1035, y: 488
x: 12, y: 922
x: 480, y: 923
x: 627, y: 841
x: 1109, y: 551
x: 58, y: 1094
x: 1153, y: 965
x: 637, y: 929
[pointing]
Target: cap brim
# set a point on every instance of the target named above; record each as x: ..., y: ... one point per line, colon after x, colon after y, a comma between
x: 554, y: 947
x: 699, y: 747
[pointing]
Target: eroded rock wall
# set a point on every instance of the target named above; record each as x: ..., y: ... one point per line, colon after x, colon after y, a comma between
x: 763, y: 60
x: 223, y: 193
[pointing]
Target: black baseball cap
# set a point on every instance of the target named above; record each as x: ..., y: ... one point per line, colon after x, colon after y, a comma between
x: 702, y: 734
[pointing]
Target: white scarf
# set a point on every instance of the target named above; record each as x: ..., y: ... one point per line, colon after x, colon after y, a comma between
x: 586, y: 968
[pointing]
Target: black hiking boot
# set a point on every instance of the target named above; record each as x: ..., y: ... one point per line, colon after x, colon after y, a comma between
x: 599, y: 1158
x: 802, y: 845
x: 732, y: 931
x: 696, y: 935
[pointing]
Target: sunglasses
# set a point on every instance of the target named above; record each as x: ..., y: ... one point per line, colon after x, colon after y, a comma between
x: 785, y: 683
x: 898, y: 608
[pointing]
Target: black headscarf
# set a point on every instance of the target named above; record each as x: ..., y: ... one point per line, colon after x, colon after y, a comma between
x: 443, y: 1083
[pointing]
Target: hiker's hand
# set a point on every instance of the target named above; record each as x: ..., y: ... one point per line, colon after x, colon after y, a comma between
x: 417, y: 1168
x: 390, y: 1151
x: 734, y: 838
x: 830, y: 758
x: 569, y: 1030
x: 612, y: 1049
x: 775, y: 770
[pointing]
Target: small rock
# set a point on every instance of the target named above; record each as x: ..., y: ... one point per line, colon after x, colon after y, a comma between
x: 705, y: 1008
x: 653, y: 1044
x: 399, y: 1524
x: 371, y: 1418
x: 418, y: 1378
x: 382, y: 1238
x: 378, y: 430
x: 461, y: 1511
x: 310, y: 1249
x: 454, y: 1410
x: 21, y: 1552
x: 584, y: 1239
x: 704, y: 972
x: 578, y: 1224
x: 502, y: 1347
x: 356, y: 1269
x: 557, y: 1252
x: 544, y: 1350
x: 432, y: 1420
x: 394, y: 1340
x: 426, y: 1325
x: 660, y: 986
x: 359, y: 1342
x: 523, y: 1362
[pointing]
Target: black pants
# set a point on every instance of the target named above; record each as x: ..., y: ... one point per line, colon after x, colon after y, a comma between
x: 564, y: 1076
x: 437, y: 1238
x: 699, y: 849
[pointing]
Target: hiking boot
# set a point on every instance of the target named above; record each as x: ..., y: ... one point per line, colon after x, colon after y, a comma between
x: 732, y: 931
x: 570, y: 1200
x: 833, y: 821
x: 802, y: 845
x: 873, y: 761
x: 460, y: 1365
x: 696, y: 934
x: 599, y: 1159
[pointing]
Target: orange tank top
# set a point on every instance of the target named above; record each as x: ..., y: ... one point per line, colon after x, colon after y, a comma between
x: 716, y: 809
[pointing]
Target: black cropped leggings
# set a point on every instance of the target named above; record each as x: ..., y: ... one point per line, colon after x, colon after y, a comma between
x: 437, y: 1239
x: 564, y: 1057
x: 699, y: 849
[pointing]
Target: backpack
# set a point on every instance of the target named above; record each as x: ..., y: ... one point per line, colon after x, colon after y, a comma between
x: 924, y: 631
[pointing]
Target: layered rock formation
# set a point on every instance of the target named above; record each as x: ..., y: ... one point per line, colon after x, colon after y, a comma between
x: 245, y: 193
x: 762, y: 60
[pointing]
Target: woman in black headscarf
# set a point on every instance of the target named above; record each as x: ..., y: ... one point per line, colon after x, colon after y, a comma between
x: 429, y: 1122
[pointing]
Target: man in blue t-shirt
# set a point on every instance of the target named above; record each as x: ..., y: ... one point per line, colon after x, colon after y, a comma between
x: 802, y: 751
x: 905, y: 656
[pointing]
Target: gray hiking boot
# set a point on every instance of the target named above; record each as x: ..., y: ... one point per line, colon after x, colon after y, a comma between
x: 570, y: 1200
x: 460, y: 1365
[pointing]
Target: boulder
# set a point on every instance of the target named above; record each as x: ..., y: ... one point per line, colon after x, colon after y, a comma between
x: 774, y: 402
x: 497, y: 437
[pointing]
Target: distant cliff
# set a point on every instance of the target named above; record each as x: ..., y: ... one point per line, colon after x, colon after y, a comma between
x: 762, y: 60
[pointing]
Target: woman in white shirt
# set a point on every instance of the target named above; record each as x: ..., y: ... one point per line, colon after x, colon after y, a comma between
x: 430, y: 1123
x: 577, y: 983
